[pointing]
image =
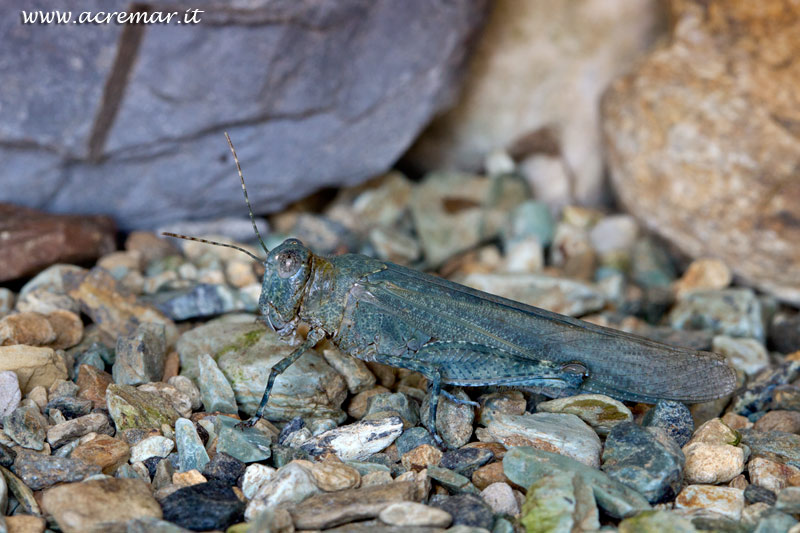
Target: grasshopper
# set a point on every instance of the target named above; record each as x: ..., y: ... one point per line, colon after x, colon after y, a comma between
x: 454, y: 335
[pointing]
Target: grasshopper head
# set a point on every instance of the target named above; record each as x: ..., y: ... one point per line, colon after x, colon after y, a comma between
x: 288, y: 268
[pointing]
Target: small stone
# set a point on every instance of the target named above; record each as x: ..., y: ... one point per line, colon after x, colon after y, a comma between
x: 753, y: 513
x: 785, y: 397
x: 453, y: 421
x: 187, y: 387
x: 739, y: 482
x: 92, y: 384
x: 131, y: 408
x: 42, y: 471
x: 784, y: 421
x: 488, y: 474
x: 468, y: 510
x: 7, y: 456
x: 149, y: 246
x: 411, y: 514
x: 726, y: 501
x: 733, y: 312
x: 69, y: 406
x: 769, y: 474
x: 216, y: 392
x: 646, y: 459
x: 188, y: 478
x: 357, y: 407
x: 525, y: 466
x: 376, y: 478
x: 500, y: 497
x: 64, y: 432
x: 26, y: 426
x: 389, y: 404
x: 597, y: 410
x: 748, y: 355
x: 191, y: 452
x: 565, y: 434
x: 712, y: 463
x: 778, y: 446
x: 10, y: 395
x: 411, y: 438
x: 23, y: 523
x: 453, y: 482
x: 774, y: 520
x: 106, y: 452
x: 421, y: 457
x: 674, y: 418
x: 524, y: 256
x: 510, y: 402
x: 656, y: 521
x: 38, y: 395
x: 94, y: 505
x: 181, y: 402
x: 68, y: 327
x: 163, y: 475
x: 614, y: 233
x: 225, y: 468
x: 355, y: 371
x: 33, y: 365
x: 155, y: 446
x: 6, y: 301
x: 140, y: 356
x: 755, y: 494
x: 715, y: 432
x: 202, y: 507
x: 331, y: 476
x: 32, y: 329
x: 358, y: 440
x: 789, y: 500
x: 761, y: 390
x: 291, y: 484
x: 247, y: 445
x: 703, y: 274
x: 255, y: 476
x: 466, y: 461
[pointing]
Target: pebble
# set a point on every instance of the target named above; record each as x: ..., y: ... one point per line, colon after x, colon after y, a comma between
x: 329, y: 509
x: 510, y: 402
x: 256, y: 476
x: 6, y: 300
x: 655, y: 522
x: 22, y: 523
x: 789, y: 500
x: 712, y: 463
x: 726, y: 501
x: 488, y: 474
x: 411, y: 438
x: 599, y: 411
x: 291, y: 484
x: 106, y: 452
x: 333, y: 475
x: 572, y: 251
x: 525, y: 466
x: 748, y: 355
x: 454, y: 422
x: 411, y: 514
x: 530, y: 219
x: 358, y: 440
x: 733, y: 312
x: 155, y: 446
x: 248, y: 445
x: 759, y: 392
x: 650, y: 265
x: 784, y: 421
x: 215, y: 389
x: 560, y: 501
x: 715, y: 431
x: 355, y: 371
x: 769, y: 474
x: 466, y: 461
x: 38, y: 395
x: 644, y: 458
x: 207, y: 298
x: 27, y: 427
x: 223, y: 467
x: 42, y: 471
x: 92, y: 384
x: 453, y: 482
x: 782, y: 447
x: 614, y: 233
x: 33, y: 365
x: 565, y: 434
x: 80, y: 507
x: 755, y: 494
x: 188, y: 478
x: 32, y: 329
x: 140, y: 355
x: 376, y: 478
x: 69, y: 406
x: 421, y: 457
x: 178, y: 400
x: 524, y: 256
x: 64, y: 432
x: 191, y: 451
x: 68, y: 327
x: 10, y: 394
x: 773, y: 521
x: 132, y: 408
x: 203, y: 507
x: 393, y: 404
x: 703, y: 274
x: 673, y: 417
x: 245, y: 353
x: 468, y: 510
x: 500, y: 497
x: 7, y: 456
x: 357, y: 406
x: 188, y: 388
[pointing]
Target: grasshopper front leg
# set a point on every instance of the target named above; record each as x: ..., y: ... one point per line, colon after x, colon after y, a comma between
x: 314, y: 336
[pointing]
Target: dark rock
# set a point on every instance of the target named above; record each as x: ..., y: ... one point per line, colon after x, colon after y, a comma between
x: 201, y: 300
x: 468, y: 510
x: 784, y: 332
x: 70, y: 407
x: 33, y: 240
x: 7, y: 456
x: 756, y: 494
x: 295, y: 424
x: 202, y: 507
x: 140, y: 355
x: 774, y: 445
x: 413, y: 437
x: 674, y: 418
x: 758, y: 393
x: 282, y: 455
x: 645, y: 459
x: 224, y: 468
x: 465, y: 461
x: 42, y: 471
x: 26, y: 426
x: 316, y: 85
x: 152, y: 464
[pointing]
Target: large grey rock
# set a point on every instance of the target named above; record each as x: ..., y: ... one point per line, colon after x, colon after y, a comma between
x: 313, y: 94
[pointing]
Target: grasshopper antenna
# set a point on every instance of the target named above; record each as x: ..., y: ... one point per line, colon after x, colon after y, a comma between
x: 244, y: 190
x: 185, y: 237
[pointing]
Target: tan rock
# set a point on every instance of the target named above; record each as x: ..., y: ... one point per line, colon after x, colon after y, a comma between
x: 33, y: 365
x: 724, y: 500
x: 736, y: 422
x: 786, y: 421
x: 712, y: 463
x: 23, y: 523
x: 377, y: 478
x: 488, y: 474
x: 68, y: 328
x: 770, y: 474
x: 704, y: 273
x: 335, y: 475
x: 718, y: 155
x: 149, y: 246
x: 106, y: 452
x: 79, y: 507
x: 92, y: 384
x: 421, y: 457
x: 357, y: 407
x: 29, y: 328
x: 715, y: 431
x: 412, y: 514
x: 188, y: 478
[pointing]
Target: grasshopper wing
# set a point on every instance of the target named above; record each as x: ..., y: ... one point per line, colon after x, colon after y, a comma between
x: 621, y: 365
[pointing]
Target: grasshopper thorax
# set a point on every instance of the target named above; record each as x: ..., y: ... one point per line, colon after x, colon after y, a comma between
x: 287, y: 270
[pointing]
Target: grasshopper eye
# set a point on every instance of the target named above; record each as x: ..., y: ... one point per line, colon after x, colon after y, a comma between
x: 575, y: 368
x: 288, y: 264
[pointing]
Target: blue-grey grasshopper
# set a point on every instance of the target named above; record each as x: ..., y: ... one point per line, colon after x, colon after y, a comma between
x: 454, y: 335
